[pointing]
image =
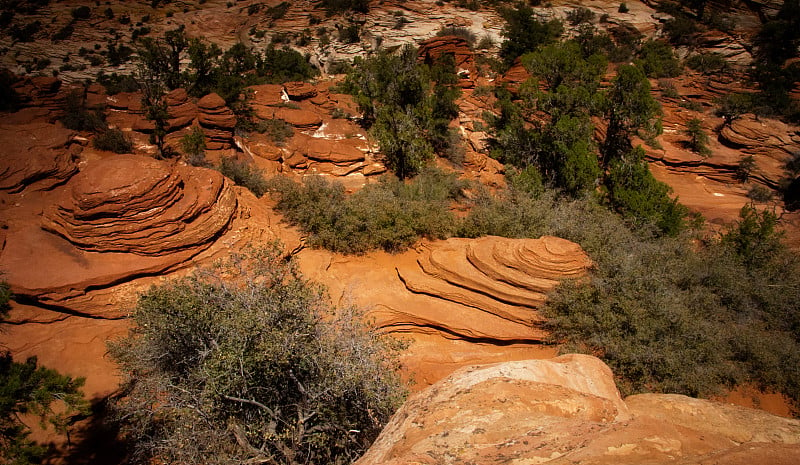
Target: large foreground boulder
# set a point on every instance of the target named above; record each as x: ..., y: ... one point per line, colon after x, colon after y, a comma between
x: 567, y: 410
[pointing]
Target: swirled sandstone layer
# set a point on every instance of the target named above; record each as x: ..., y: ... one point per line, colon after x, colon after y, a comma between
x: 136, y: 204
x: 497, y: 283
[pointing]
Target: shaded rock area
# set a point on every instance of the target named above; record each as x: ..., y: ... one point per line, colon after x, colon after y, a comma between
x: 35, y: 154
x: 136, y: 204
x: 568, y: 410
x: 497, y: 282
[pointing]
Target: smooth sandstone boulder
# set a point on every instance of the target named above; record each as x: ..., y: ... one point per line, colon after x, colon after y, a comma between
x: 567, y: 410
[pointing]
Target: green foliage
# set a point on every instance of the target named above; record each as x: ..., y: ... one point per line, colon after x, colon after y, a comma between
x: 193, y: 145
x: 350, y: 34
x: 78, y: 117
x: 391, y: 215
x: 708, y: 63
x: 277, y: 130
x: 580, y: 15
x: 755, y: 238
x: 29, y: 389
x: 525, y: 32
x: 731, y: 106
x: 564, y: 64
x: 629, y: 107
x: 81, y: 12
x: 244, y: 174
x: 636, y: 194
x: 623, y: 8
x: 333, y: 7
x: 409, y: 117
x: 681, y: 30
x: 657, y: 60
x: 457, y: 31
x: 248, y: 363
x: 113, y: 140
x: 745, y: 167
x: 698, y: 139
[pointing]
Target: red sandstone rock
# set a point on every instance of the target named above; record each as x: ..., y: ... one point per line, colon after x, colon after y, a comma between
x: 568, y: 410
x: 433, y: 49
x: 35, y: 152
x: 267, y: 94
x: 497, y: 282
x: 299, y: 90
x: 135, y: 204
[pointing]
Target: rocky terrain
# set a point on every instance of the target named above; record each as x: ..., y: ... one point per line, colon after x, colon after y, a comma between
x: 567, y: 410
x: 84, y: 230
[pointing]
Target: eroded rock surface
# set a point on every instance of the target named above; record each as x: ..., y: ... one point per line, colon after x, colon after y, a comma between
x: 496, y: 282
x: 568, y: 410
x: 131, y: 203
x: 35, y: 153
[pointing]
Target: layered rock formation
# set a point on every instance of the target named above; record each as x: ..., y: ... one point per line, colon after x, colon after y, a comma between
x: 136, y: 204
x: 35, y: 153
x: 568, y: 410
x: 432, y: 50
x: 217, y: 121
x: 497, y: 284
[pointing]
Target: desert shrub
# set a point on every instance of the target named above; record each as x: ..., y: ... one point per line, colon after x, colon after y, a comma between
x: 113, y: 140
x: 759, y: 193
x: 668, y: 89
x: 623, y: 8
x: 278, y: 11
x: 333, y: 7
x: 116, y: 83
x: 244, y: 174
x: 681, y: 30
x: 457, y: 31
x: 698, y: 139
x: 81, y: 12
x: 390, y: 215
x: 658, y: 60
x: 525, y: 32
x: 78, y: 117
x: 745, y: 167
x: 485, y: 43
x: 580, y: 15
x: 708, y: 63
x: 637, y: 195
x: 350, y: 34
x: 64, y: 33
x: 277, y: 130
x: 665, y: 315
x: 193, y: 145
x: 25, y: 33
x: 249, y: 363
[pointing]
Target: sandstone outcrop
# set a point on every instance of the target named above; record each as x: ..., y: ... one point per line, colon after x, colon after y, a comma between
x: 497, y: 284
x: 35, y: 153
x: 136, y: 204
x: 217, y: 121
x: 180, y: 109
x: 432, y: 50
x: 568, y: 410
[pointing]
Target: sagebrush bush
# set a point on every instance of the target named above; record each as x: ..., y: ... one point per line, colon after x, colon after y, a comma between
x: 390, y: 215
x: 113, y: 140
x: 244, y: 174
x: 248, y: 363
